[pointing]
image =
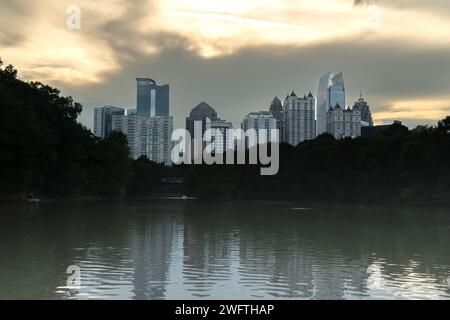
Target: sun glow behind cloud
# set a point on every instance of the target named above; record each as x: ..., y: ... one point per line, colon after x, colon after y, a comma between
x: 415, y: 109
x: 117, y: 32
x: 211, y: 28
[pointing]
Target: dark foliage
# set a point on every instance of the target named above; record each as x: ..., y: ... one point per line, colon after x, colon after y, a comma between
x: 396, y: 165
x: 45, y: 151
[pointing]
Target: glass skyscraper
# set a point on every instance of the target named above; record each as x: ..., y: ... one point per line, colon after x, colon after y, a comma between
x: 152, y: 99
x: 331, y: 92
x: 103, y: 120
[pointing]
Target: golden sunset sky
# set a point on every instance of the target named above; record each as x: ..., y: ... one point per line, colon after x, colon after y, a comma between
x: 237, y: 54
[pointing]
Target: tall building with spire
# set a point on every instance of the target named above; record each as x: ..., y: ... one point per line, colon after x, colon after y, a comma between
x: 330, y: 93
x: 299, y: 118
x: 366, y: 115
x: 276, y: 109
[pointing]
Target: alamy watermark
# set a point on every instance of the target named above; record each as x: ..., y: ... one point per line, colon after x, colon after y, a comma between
x: 229, y: 147
x: 74, y: 278
x: 374, y: 22
x: 73, y: 21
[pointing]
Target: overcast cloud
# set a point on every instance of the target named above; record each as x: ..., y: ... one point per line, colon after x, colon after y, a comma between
x: 237, y: 54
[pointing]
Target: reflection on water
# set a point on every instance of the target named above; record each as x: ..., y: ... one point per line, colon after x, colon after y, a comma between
x: 171, y: 249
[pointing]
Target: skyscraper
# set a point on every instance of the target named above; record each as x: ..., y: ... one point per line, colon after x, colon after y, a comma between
x: 342, y: 123
x: 205, y: 115
x: 103, y: 120
x: 147, y: 136
x: 299, y: 122
x: 276, y: 109
x: 152, y: 99
x: 262, y: 120
x: 201, y: 112
x: 366, y: 115
x: 331, y: 92
x: 219, y: 131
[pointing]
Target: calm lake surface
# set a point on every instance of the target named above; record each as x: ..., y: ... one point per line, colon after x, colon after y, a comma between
x: 173, y: 249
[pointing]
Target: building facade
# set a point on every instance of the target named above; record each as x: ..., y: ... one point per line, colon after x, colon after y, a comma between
x: 103, y: 120
x: 330, y: 93
x: 276, y: 109
x: 147, y: 136
x: 219, y: 134
x: 200, y: 113
x: 299, y: 118
x: 366, y: 115
x: 262, y: 122
x: 206, y: 116
x: 342, y: 123
x: 152, y: 100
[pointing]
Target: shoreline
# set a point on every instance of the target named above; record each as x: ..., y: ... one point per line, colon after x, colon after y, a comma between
x: 180, y: 197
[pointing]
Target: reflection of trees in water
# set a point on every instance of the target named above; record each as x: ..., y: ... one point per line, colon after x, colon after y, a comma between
x: 39, y: 243
x: 264, y: 250
x: 317, y: 254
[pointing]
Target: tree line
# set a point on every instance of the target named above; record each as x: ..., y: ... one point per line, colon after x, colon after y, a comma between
x: 45, y: 152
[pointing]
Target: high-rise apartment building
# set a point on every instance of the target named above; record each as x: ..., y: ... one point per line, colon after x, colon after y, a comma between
x: 219, y: 134
x: 299, y: 118
x: 262, y: 122
x: 331, y: 92
x: 152, y: 99
x: 103, y: 120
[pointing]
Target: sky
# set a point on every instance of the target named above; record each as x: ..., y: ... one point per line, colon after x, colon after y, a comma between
x: 235, y: 54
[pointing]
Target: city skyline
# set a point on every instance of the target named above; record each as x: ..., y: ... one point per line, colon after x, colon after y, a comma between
x: 400, y: 65
x: 147, y: 89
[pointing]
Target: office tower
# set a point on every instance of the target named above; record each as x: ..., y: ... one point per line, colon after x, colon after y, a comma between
x: 366, y: 115
x: 205, y: 115
x: 152, y: 99
x: 103, y: 120
x: 342, y: 123
x: 331, y: 92
x: 147, y: 136
x: 276, y: 109
x: 299, y: 118
x: 261, y: 120
x: 200, y: 113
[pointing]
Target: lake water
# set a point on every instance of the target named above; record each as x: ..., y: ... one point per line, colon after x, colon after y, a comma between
x: 173, y: 249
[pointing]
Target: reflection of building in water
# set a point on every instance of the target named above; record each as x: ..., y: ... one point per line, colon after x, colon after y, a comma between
x: 207, y: 252
x: 288, y: 268
x: 151, y: 249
